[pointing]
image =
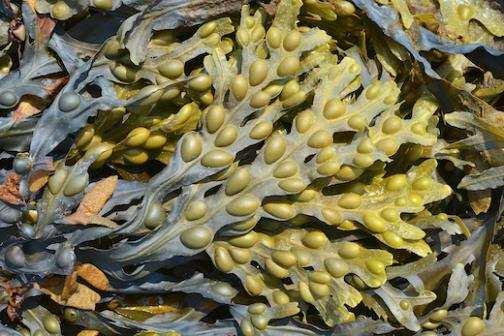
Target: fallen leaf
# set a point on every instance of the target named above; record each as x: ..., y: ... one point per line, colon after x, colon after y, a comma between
x: 70, y: 286
x: 68, y: 292
x: 93, y: 202
x: 93, y: 275
x: 45, y: 26
x: 27, y: 107
x: 54, y: 85
x: 83, y: 298
x: 9, y: 189
x: 15, y: 295
x: 480, y: 200
x: 31, y: 105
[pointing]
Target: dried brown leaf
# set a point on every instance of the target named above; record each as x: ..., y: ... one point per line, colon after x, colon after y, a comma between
x: 93, y: 202
x: 93, y: 275
x: 70, y: 286
x: 9, y: 189
x: 26, y: 108
x: 480, y: 200
x: 53, y: 85
x: 45, y: 26
x: 68, y: 292
x: 84, y: 298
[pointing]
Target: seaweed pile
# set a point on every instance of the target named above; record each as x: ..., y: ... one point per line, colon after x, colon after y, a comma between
x: 290, y: 167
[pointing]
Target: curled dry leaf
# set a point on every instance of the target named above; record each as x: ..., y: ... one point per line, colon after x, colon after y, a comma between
x: 26, y: 108
x: 93, y: 275
x: 480, y: 200
x: 69, y: 292
x: 93, y: 202
x: 9, y: 189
